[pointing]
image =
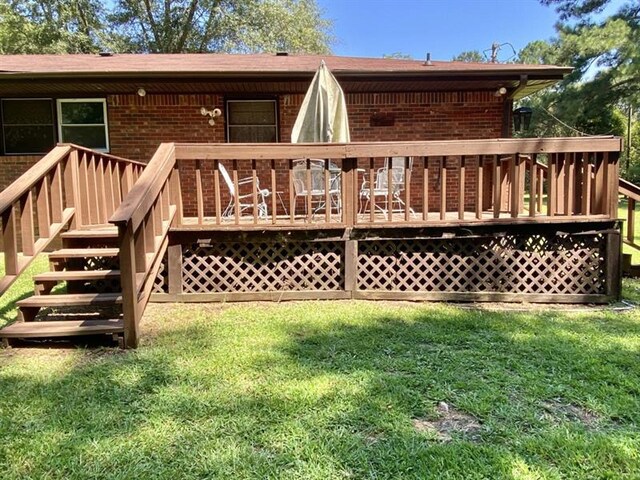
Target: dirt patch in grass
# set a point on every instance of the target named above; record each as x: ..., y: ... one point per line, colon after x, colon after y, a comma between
x: 450, y: 423
x: 558, y: 411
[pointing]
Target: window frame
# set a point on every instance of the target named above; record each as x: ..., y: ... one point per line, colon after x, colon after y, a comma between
x: 228, y: 125
x: 54, y: 121
x: 59, y: 103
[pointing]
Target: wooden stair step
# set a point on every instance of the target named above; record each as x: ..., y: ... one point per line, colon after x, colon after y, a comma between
x: 65, y: 328
x: 77, y: 275
x: 69, y: 300
x: 92, y: 233
x: 83, y: 253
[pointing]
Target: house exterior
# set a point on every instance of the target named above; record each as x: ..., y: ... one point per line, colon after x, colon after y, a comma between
x: 127, y: 104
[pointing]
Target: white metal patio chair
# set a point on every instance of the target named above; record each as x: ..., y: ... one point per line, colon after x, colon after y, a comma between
x: 380, y: 187
x: 244, y: 196
x: 312, y: 184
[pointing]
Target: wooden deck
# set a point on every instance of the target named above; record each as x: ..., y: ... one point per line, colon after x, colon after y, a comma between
x: 479, y: 220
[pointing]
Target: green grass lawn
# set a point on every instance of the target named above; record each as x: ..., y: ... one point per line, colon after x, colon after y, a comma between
x: 329, y: 390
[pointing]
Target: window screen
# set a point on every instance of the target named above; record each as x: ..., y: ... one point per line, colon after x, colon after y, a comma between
x: 27, y: 126
x: 252, y: 121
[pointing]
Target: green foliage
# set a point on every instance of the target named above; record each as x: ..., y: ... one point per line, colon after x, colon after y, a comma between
x: 50, y: 26
x: 473, y: 56
x: 163, y: 26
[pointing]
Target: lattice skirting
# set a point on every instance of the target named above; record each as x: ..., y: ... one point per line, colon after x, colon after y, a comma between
x: 516, y: 266
x: 570, y: 264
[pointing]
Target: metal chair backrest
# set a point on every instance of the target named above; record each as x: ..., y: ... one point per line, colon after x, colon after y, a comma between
x: 316, y: 172
x: 227, y: 179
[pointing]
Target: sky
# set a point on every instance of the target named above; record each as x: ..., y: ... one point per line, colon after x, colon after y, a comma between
x: 445, y: 28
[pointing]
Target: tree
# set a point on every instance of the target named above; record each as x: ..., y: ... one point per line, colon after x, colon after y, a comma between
x: 472, y: 56
x: 50, y: 26
x: 163, y: 26
x: 240, y: 26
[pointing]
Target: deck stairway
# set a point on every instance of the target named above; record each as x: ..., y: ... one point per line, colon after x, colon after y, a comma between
x: 99, y: 209
x: 86, y: 269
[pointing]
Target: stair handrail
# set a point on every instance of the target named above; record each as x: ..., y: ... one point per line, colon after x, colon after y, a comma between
x: 51, y: 195
x: 143, y: 220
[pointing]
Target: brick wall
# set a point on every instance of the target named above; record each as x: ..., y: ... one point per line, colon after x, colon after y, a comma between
x: 137, y: 125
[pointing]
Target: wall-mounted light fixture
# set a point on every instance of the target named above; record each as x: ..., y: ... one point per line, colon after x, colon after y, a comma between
x: 500, y: 92
x: 141, y: 92
x: 216, y: 112
x: 522, y: 118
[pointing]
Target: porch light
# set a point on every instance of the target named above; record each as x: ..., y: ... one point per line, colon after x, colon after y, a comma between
x: 212, y: 114
x: 522, y: 118
x: 141, y: 92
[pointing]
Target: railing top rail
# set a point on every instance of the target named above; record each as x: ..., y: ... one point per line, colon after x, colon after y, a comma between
x: 140, y: 198
x: 629, y: 189
x: 104, y: 155
x: 500, y: 146
x: 32, y: 176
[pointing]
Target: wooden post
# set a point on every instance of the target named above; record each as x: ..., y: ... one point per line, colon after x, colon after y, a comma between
x: 613, y: 174
x: 174, y: 268
x: 613, y: 264
x: 443, y: 188
x: 461, y: 179
x: 349, y: 207
x: 10, y: 241
x: 128, y: 284
x: 631, y: 219
x: 479, y: 188
x: 26, y: 224
x: 351, y: 266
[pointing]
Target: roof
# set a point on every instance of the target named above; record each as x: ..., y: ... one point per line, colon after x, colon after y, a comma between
x: 264, y: 66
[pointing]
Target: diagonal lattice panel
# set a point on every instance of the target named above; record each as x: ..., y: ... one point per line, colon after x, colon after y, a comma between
x: 568, y: 264
x: 263, y: 267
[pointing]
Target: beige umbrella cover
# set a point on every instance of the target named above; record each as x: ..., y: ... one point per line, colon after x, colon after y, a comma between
x: 323, y: 114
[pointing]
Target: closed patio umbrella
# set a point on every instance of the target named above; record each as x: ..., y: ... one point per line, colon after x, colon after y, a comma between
x: 323, y: 114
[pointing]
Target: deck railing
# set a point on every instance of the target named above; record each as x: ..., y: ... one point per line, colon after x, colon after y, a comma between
x: 143, y: 220
x: 258, y: 186
x: 71, y: 185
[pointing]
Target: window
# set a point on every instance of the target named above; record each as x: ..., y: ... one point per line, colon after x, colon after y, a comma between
x: 27, y: 126
x: 84, y: 121
x: 251, y: 121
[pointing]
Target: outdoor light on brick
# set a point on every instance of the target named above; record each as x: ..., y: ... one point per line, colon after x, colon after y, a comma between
x: 216, y: 112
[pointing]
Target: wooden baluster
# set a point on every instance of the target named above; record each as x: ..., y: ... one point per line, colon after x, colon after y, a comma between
x: 540, y: 189
x: 274, y: 193
x: 479, y: 187
x: 497, y: 186
x: 390, y: 189
x: 10, y: 241
x: 515, y: 185
x: 254, y: 190
x: 292, y: 194
x: 83, y: 183
x: 127, y: 179
x: 631, y: 220
x: 407, y: 190
x: 372, y: 187
x: 443, y: 188
x: 72, y: 189
x: 612, y: 159
x: 43, y: 211
x: 599, y: 184
x: 308, y: 188
x: 236, y: 193
x: 569, y: 191
x: 552, y: 181
x: 199, y: 195
x: 176, y: 195
x: 101, y: 193
x: 327, y: 187
x: 156, y: 212
x: 26, y: 224
x: 425, y: 189
x: 57, y: 201
x: 94, y: 202
x: 108, y: 188
x: 461, y: 180
x: 533, y: 185
x: 216, y: 180
x: 116, y: 189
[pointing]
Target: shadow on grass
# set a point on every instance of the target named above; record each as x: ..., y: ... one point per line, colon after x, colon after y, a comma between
x: 328, y: 399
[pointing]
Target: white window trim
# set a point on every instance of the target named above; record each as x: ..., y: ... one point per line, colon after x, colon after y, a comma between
x: 4, y: 140
x: 249, y: 100
x: 59, y: 103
